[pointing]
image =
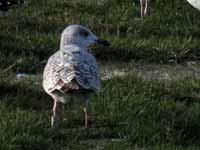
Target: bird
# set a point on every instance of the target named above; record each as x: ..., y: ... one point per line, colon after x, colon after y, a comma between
x: 6, y: 4
x: 144, y: 6
x: 71, y: 74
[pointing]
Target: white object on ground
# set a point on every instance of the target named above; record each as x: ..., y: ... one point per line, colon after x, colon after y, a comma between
x: 21, y: 75
x: 195, y: 3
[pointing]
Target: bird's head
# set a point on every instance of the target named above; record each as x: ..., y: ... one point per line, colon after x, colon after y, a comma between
x: 80, y: 36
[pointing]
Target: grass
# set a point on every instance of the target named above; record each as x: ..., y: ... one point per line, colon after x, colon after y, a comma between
x: 171, y: 32
x: 129, y: 112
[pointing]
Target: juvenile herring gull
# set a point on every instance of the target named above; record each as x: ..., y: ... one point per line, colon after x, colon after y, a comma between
x: 71, y: 74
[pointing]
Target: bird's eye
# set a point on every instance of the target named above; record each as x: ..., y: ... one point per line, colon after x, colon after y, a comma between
x: 65, y: 54
x: 84, y: 33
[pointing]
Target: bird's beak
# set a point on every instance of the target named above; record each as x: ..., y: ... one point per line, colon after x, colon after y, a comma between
x: 102, y: 42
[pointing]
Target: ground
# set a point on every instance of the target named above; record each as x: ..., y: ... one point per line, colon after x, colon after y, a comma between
x: 150, y: 73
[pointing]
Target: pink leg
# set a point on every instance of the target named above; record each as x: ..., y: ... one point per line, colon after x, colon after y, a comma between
x: 86, y: 117
x: 146, y: 11
x: 142, y: 4
x: 57, y: 114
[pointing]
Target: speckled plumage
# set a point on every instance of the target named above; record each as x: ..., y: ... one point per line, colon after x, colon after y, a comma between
x: 71, y: 74
x: 71, y: 63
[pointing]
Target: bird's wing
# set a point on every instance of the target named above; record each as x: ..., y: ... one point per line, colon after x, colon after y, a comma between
x: 56, y: 73
x: 68, y: 64
x: 87, y: 72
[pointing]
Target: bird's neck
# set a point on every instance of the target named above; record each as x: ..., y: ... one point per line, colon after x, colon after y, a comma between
x: 73, y: 47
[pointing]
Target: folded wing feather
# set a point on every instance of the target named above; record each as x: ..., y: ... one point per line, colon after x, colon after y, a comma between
x: 71, y: 63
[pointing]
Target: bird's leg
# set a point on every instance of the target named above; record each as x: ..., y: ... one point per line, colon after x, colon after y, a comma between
x: 57, y: 114
x: 86, y: 117
x: 146, y: 10
x: 142, y: 8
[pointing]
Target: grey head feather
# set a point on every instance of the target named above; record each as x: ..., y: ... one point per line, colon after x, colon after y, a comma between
x: 77, y: 35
